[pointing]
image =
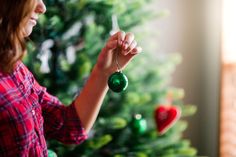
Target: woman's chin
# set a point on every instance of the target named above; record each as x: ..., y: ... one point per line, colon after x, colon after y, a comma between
x: 28, y: 31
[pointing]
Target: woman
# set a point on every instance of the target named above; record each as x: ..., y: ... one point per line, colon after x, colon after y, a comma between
x: 28, y: 114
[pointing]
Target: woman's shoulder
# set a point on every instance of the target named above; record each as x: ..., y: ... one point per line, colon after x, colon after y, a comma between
x: 21, y: 69
x: 18, y: 66
x: 19, y: 74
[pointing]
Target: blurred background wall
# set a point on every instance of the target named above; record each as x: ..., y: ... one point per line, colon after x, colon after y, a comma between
x: 193, y: 28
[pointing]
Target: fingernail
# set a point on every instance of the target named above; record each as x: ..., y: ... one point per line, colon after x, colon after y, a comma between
x: 123, y: 45
x: 126, y: 46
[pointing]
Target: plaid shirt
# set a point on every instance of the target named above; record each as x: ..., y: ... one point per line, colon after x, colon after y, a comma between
x: 28, y: 115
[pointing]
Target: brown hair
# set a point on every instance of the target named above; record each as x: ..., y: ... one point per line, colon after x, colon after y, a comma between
x: 13, y: 18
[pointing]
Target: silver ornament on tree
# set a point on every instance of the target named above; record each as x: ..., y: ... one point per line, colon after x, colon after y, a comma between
x: 45, y: 54
x: 71, y: 54
x: 70, y: 33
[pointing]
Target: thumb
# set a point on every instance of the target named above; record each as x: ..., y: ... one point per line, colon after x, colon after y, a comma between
x: 110, y: 45
x: 105, y: 57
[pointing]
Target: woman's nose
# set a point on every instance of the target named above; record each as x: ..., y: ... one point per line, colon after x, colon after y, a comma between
x: 40, y: 7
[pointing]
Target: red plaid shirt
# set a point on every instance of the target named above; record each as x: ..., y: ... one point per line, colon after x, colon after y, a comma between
x: 28, y: 115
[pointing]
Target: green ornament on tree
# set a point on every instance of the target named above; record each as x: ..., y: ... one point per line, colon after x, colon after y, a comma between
x: 51, y: 153
x: 139, y: 124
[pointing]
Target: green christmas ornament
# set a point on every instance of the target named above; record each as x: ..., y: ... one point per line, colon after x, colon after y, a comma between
x: 51, y: 153
x: 118, y: 82
x: 139, y: 124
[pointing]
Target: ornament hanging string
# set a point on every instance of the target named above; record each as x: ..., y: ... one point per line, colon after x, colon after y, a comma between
x: 117, y: 63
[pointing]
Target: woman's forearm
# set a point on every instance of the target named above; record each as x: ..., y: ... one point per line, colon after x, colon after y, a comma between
x: 89, y: 102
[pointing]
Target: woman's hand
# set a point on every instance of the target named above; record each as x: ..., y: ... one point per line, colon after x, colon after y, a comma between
x: 122, y: 43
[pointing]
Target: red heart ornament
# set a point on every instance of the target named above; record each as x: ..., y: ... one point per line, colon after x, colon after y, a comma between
x: 166, y: 116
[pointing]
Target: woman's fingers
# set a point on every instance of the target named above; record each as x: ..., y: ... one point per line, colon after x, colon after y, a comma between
x: 119, y: 36
x: 133, y: 53
x: 125, y: 44
x: 111, y: 44
x: 131, y: 47
x: 125, y: 41
x: 129, y: 37
x: 136, y: 50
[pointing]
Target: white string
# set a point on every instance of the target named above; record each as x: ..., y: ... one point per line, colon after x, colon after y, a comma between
x: 115, y: 29
x: 117, y: 63
x: 115, y: 25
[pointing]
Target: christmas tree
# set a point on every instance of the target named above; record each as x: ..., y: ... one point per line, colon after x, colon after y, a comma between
x: 142, y: 121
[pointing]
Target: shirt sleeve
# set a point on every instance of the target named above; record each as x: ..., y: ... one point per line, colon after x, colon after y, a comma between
x: 60, y: 122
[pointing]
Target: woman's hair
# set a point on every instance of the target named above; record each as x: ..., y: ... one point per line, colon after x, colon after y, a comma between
x: 13, y: 18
